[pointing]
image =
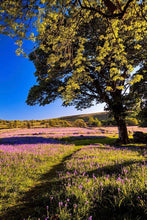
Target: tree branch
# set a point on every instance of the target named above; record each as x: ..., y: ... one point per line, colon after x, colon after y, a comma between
x: 115, y: 15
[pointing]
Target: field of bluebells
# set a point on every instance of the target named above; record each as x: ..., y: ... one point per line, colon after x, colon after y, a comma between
x: 71, y: 173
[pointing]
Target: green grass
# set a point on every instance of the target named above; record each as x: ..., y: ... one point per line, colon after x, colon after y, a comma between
x: 22, y: 173
x: 78, y: 141
x: 76, y: 180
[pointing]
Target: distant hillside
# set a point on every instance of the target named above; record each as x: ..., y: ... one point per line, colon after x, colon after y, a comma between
x: 82, y: 120
x: 99, y: 115
x: 62, y: 121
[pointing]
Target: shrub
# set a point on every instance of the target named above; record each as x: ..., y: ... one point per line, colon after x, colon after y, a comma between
x: 64, y: 123
x: 91, y: 121
x: 52, y: 123
x: 94, y: 122
x: 47, y: 125
x: 28, y: 124
x: 97, y: 123
x: 80, y: 123
x: 132, y: 121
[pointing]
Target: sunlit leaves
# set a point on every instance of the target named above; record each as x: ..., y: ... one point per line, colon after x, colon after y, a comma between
x: 136, y: 78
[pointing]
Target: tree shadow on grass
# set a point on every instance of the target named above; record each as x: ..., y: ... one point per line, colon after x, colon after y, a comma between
x: 140, y: 148
x: 115, y: 205
x: 76, y: 140
x: 34, y: 202
x: 103, y: 140
x: 27, y: 140
x: 115, y: 169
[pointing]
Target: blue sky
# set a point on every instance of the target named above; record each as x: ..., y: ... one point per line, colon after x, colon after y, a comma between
x: 16, y: 78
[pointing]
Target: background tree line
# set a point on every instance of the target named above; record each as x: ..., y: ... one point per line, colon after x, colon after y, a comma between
x: 101, y: 119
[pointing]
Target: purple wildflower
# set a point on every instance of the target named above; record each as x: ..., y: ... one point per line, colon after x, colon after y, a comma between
x: 75, y: 205
x: 60, y: 203
x: 86, y: 202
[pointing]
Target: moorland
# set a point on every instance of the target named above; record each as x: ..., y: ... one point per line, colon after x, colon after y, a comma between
x: 71, y: 173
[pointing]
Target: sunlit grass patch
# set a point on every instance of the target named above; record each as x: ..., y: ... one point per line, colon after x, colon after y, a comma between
x: 105, y: 182
x: 23, y: 166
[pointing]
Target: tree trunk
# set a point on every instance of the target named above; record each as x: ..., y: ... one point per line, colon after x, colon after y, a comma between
x: 122, y: 130
x: 118, y: 109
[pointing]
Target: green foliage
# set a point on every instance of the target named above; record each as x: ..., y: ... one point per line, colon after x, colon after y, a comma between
x: 58, y: 123
x: 79, y: 123
x: 132, y: 121
x: 90, y: 121
x: 94, y: 122
x: 109, y: 121
x: 28, y: 124
x: 70, y: 121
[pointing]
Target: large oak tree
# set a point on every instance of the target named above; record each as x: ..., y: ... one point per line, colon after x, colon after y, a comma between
x: 85, y: 49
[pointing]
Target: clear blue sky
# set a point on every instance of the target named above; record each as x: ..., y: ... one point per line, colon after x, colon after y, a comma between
x: 16, y: 78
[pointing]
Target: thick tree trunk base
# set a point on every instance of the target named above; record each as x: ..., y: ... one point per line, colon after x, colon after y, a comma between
x: 122, y: 131
x: 120, y: 142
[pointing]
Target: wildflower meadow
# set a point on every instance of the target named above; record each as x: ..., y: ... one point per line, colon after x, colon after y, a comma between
x: 71, y: 174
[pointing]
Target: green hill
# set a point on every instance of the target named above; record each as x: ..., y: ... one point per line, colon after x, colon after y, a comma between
x: 62, y: 121
x: 99, y: 115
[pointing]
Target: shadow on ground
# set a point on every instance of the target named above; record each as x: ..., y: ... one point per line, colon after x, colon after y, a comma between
x: 108, y: 141
x: 115, y: 169
x: 129, y: 208
x: 27, y: 140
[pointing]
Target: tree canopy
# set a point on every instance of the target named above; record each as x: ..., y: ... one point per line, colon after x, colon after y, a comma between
x: 26, y: 18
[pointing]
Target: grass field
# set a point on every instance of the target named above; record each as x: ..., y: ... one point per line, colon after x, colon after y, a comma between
x: 71, y: 173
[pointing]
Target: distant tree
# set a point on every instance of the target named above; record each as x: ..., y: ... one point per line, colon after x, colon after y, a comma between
x: 132, y: 121
x: 80, y: 123
x: 47, y: 125
x: 94, y: 122
x: 52, y: 123
x: 97, y: 122
x: 91, y: 121
x: 64, y: 123
x: 11, y: 124
x: 16, y: 124
x: 28, y: 124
